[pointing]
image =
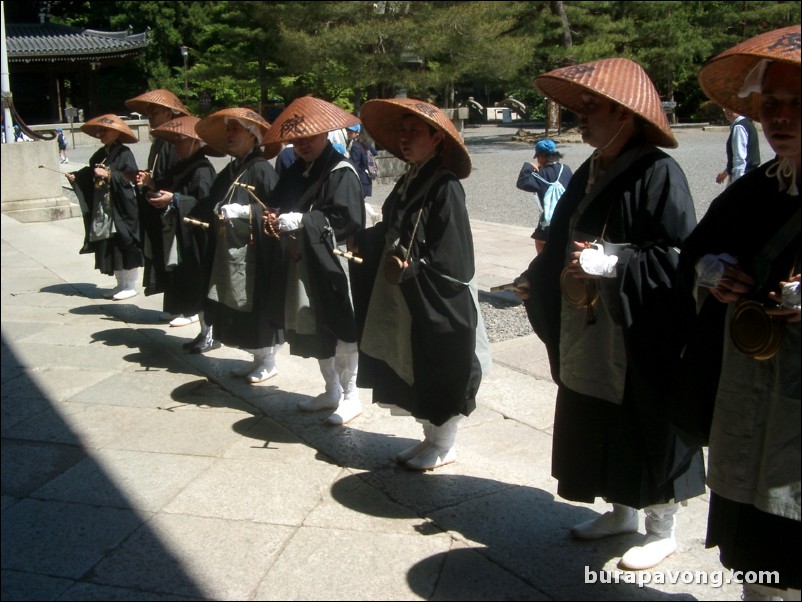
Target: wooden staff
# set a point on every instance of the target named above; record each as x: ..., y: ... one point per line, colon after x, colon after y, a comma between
x: 194, y: 222
x: 250, y: 190
x: 51, y: 169
x: 348, y: 255
x: 517, y: 285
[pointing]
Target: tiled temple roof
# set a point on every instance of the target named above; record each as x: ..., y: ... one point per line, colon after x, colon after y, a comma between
x: 47, y: 42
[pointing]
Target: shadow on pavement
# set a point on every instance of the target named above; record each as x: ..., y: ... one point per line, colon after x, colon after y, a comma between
x: 521, y: 530
x: 68, y: 530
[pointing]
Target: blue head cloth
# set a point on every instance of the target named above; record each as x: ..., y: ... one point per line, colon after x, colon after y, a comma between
x: 545, y: 147
x: 354, y: 128
x: 58, y: 130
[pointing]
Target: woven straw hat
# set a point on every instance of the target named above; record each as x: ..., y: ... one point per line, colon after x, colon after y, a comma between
x: 109, y: 122
x: 382, y: 119
x: 617, y: 79
x: 212, y: 129
x: 182, y: 127
x: 307, y: 116
x: 162, y: 98
x: 723, y: 77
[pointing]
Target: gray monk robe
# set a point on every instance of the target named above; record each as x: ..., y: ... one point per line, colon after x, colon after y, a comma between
x: 162, y: 158
x: 318, y: 310
x: 184, y: 245
x: 418, y: 346
x: 244, y: 301
x: 121, y: 250
x: 612, y: 433
x: 754, y: 454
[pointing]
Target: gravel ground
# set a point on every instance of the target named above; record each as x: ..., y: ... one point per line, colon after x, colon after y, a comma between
x: 504, y: 318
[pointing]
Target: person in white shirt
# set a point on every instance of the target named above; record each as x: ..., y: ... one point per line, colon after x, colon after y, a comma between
x: 743, y: 149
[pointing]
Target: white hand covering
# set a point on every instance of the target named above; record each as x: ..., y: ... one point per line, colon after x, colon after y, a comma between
x: 594, y: 262
x: 289, y: 221
x: 710, y: 269
x: 234, y: 210
x: 791, y: 295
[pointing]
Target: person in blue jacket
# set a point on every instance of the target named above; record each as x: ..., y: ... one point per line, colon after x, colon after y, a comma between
x: 536, y: 176
x: 360, y: 151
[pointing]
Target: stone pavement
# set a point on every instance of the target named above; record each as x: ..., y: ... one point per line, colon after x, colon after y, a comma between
x: 134, y: 471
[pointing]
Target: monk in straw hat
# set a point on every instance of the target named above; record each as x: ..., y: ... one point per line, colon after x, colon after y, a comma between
x: 159, y: 106
x: 244, y: 297
x: 183, y: 192
x: 600, y: 297
x: 423, y: 347
x: 111, y: 214
x: 741, y: 267
x: 320, y: 203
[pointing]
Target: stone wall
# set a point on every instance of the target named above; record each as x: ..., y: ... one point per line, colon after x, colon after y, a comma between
x: 140, y: 128
x: 31, y: 185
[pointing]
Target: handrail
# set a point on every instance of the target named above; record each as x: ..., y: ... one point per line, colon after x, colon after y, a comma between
x: 8, y: 102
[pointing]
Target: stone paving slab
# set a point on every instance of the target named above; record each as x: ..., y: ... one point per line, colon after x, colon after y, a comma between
x: 132, y: 470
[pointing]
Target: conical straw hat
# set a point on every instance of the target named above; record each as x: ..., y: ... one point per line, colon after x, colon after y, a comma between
x: 723, y: 77
x: 184, y: 127
x: 109, y: 122
x: 162, y: 98
x: 212, y: 129
x: 617, y: 79
x: 382, y: 119
x: 307, y: 116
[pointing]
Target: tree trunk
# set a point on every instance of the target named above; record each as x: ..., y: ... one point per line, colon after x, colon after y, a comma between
x: 448, y: 99
x: 553, y: 121
x: 262, y: 67
x: 558, y: 10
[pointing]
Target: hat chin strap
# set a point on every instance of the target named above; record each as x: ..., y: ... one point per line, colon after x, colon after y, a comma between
x: 596, y: 157
x: 785, y: 169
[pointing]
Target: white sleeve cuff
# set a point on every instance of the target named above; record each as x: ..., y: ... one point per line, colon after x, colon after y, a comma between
x: 289, y: 221
x: 791, y: 295
x: 594, y: 262
x: 710, y: 269
x: 234, y: 210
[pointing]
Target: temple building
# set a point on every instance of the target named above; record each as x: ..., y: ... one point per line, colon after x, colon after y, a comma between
x: 54, y: 66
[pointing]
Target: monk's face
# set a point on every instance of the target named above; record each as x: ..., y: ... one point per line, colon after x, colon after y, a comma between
x: 239, y: 141
x: 417, y: 140
x: 158, y: 116
x: 599, y: 120
x: 310, y: 147
x: 780, y: 110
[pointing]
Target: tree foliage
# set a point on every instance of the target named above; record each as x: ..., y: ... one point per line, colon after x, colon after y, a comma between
x: 248, y: 53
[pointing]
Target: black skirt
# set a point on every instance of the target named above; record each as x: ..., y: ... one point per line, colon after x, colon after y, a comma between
x: 751, y: 540
x: 242, y: 329
x: 112, y: 255
x: 599, y: 450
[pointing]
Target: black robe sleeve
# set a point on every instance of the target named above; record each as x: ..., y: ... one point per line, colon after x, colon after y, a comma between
x: 123, y: 195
